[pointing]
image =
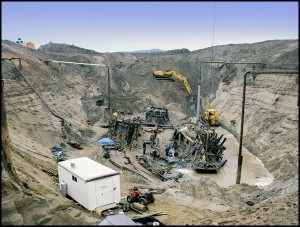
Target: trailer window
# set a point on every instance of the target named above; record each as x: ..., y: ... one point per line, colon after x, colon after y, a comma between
x: 74, y: 178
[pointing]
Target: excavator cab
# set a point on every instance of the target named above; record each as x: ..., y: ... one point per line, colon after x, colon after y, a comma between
x: 211, y: 117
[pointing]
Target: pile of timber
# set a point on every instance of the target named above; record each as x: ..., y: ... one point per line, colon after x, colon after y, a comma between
x: 159, y: 171
x: 209, y: 151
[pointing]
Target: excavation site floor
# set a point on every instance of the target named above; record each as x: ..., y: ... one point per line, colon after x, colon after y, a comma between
x: 253, y: 170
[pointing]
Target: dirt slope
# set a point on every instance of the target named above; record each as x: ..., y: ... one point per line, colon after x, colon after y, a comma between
x: 77, y: 92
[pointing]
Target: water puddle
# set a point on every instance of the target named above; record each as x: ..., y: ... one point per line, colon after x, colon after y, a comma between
x: 253, y: 170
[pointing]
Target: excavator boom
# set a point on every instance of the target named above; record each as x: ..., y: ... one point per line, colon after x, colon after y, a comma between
x: 169, y: 74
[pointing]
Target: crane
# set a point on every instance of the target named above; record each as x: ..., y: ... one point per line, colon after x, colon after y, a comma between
x: 160, y: 75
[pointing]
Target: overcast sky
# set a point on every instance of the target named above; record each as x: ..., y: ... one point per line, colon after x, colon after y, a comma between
x: 129, y: 26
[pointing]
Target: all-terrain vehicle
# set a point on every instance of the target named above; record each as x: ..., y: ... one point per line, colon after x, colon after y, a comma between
x: 143, y: 198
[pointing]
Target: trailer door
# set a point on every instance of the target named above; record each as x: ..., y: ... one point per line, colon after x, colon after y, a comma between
x: 105, y: 191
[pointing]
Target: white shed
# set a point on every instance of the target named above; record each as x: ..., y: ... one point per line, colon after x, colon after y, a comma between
x: 90, y: 183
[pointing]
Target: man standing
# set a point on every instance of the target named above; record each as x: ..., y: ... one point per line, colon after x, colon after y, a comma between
x: 144, y: 148
x: 155, y: 132
x: 152, y: 140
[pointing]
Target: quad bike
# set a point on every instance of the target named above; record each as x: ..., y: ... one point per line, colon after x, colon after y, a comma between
x: 142, y: 197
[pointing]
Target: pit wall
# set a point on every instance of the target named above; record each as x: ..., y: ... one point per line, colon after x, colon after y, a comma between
x: 270, y: 118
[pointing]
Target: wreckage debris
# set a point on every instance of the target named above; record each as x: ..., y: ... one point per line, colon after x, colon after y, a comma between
x: 75, y: 145
x: 209, y: 152
x: 124, y: 132
x: 159, y: 169
x: 159, y: 117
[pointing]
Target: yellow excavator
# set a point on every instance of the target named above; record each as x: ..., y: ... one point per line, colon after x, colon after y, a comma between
x: 160, y: 75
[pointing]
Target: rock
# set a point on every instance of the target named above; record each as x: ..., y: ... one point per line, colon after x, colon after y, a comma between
x: 7, y: 207
x: 43, y: 220
x: 250, y: 203
x: 76, y: 213
x: 13, y: 219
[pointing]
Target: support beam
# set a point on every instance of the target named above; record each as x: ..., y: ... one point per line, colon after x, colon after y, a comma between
x: 240, y: 157
x: 198, y: 97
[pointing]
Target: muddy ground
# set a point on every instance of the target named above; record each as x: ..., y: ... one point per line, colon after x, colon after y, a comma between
x: 271, y: 131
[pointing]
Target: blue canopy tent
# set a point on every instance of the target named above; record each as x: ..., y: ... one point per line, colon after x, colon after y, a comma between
x: 106, y: 141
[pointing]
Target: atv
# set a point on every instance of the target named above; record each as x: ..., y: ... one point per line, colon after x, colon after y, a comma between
x: 142, y: 197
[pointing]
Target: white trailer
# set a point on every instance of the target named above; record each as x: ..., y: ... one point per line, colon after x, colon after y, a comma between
x: 90, y: 183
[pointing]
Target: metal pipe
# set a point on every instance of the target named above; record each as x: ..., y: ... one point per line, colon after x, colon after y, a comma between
x: 76, y: 63
x: 233, y: 62
x: 227, y: 63
x: 81, y: 63
x: 38, y: 94
x: 198, y: 97
x: 13, y: 58
x: 240, y: 157
x: 6, y: 156
x: 275, y: 72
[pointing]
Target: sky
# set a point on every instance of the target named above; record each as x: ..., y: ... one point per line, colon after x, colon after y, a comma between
x: 129, y: 26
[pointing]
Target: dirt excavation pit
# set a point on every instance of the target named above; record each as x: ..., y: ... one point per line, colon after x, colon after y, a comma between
x: 268, y: 193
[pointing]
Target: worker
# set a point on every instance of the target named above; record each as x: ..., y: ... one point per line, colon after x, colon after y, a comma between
x: 156, y: 142
x: 167, y: 150
x: 152, y: 140
x: 155, y: 131
x: 144, y: 147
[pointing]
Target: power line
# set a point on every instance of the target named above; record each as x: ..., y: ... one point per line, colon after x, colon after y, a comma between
x: 212, y: 52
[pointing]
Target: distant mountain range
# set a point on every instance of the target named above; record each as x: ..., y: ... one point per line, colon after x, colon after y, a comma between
x: 146, y: 51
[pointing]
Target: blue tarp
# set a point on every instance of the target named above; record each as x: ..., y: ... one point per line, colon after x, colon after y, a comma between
x: 57, y: 149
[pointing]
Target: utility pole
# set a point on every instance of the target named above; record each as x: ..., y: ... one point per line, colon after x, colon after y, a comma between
x: 108, y: 87
x: 198, y: 97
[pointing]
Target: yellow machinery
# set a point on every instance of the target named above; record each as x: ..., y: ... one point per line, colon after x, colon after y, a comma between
x: 160, y: 75
x: 211, y: 117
